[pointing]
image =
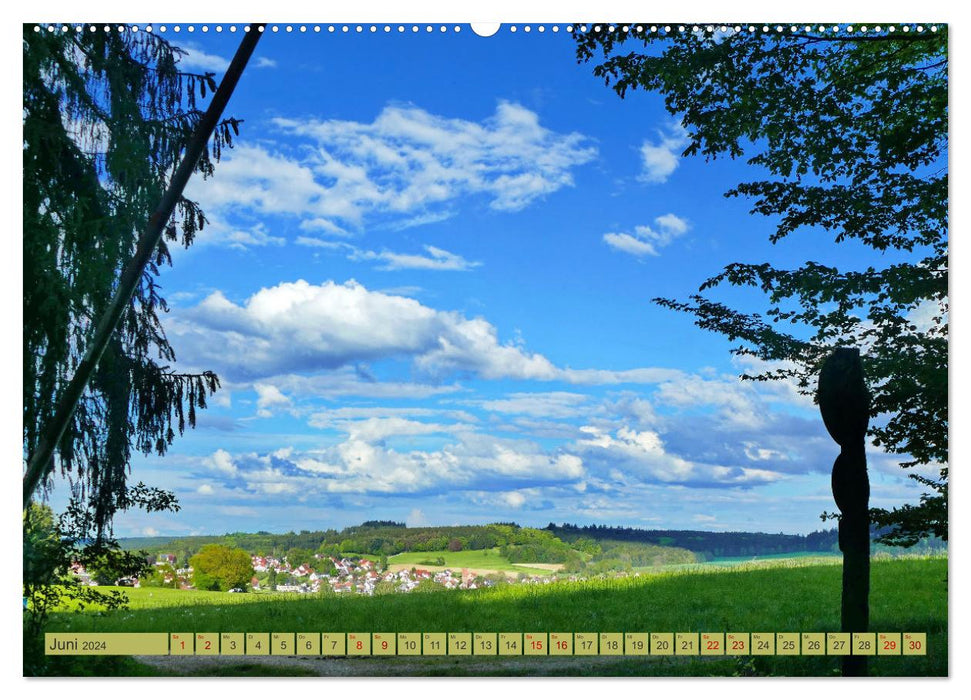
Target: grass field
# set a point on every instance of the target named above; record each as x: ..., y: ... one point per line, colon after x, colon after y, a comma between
x: 792, y: 558
x: 479, y: 560
x: 907, y: 594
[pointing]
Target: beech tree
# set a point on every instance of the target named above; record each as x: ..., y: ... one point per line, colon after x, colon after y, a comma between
x: 846, y: 134
x: 220, y: 568
x: 106, y: 116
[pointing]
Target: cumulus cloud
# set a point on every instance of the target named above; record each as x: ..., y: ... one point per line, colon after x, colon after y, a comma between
x: 195, y: 59
x: 239, y: 237
x: 551, y: 404
x: 435, y: 259
x: 377, y: 429
x: 268, y: 398
x: 646, y: 240
x: 642, y: 455
x: 341, y: 417
x: 408, y: 165
x: 408, y: 158
x: 416, y: 518
x: 660, y: 158
x: 299, y: 327
x: 220, y: 462
x: 362, y: 464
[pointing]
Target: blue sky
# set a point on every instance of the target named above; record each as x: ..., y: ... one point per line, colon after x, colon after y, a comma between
x: 426, y: 289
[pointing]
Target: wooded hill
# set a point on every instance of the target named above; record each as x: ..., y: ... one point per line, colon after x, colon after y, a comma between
x: 553, y: 544
x: 706, y: 545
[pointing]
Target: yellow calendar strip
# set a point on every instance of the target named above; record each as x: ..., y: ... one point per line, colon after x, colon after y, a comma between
x: 763, y: 644
x: 308, y: 643
x: 384, y: 644
x: 510, y: 644
x: 889, y: 644
x: 561, y: 644
x: 611, y: 643
x: 838, y: 643
x: 535, y: 644
x: 813, y: 643
x: 487, y: 643
x: 333, y: 644
x: 409, y: 644
x: 358, y: 644
x: 787, y: 643
x: 232, y: 643
x: 459, y: 643
x: 915, y: 644
x: 864, y: 644
x: 283, y: 643
x: 434, y: 643
x: 686, y: 643
x: 116, y: 644
x: 207, y: 644
x: 712, y: 644
x: 662, y: 644
x: 258, y: 643
x: 182, y: 644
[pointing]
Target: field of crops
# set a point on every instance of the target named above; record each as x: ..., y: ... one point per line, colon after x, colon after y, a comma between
x: 907, y: 594
x: 479, y: 560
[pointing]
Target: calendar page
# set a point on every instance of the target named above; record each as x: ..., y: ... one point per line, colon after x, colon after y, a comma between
x: 602, y: 348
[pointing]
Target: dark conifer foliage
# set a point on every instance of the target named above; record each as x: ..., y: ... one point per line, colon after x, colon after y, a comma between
x: 105, y: 118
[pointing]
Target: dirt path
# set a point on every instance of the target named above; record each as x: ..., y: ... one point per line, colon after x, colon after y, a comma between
x: 395, y: 666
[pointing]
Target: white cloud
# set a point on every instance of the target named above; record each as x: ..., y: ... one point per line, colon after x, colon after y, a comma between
x: 408, y: 158
x: 406, y: 164
x: 297, y: 328
x: 218, y: 232
x: 627, y: 243
x: 342, y: 417
x: 268, y: 398
x: 376, y: 429
x: 437, y: 259
x: 264, y: 62
x: 221, y: 462
x: 646, y: 240
x: 659, y: 159
x: 302, y: 327
x: 642, y: 455
x: 416, y: 518
x: 739, y: 404
x: 553, y: 404
x: 254, y: 179
x: 352, y: 381
x: 361, y: 464
x: 198, y: 60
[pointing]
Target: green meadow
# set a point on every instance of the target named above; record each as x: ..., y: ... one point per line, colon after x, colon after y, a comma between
x: 908, y: 594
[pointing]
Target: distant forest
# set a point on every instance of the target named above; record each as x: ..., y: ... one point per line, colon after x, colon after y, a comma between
x: 705, y: 545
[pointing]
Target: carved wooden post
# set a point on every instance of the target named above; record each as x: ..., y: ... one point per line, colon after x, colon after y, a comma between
x: 845, y: 406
